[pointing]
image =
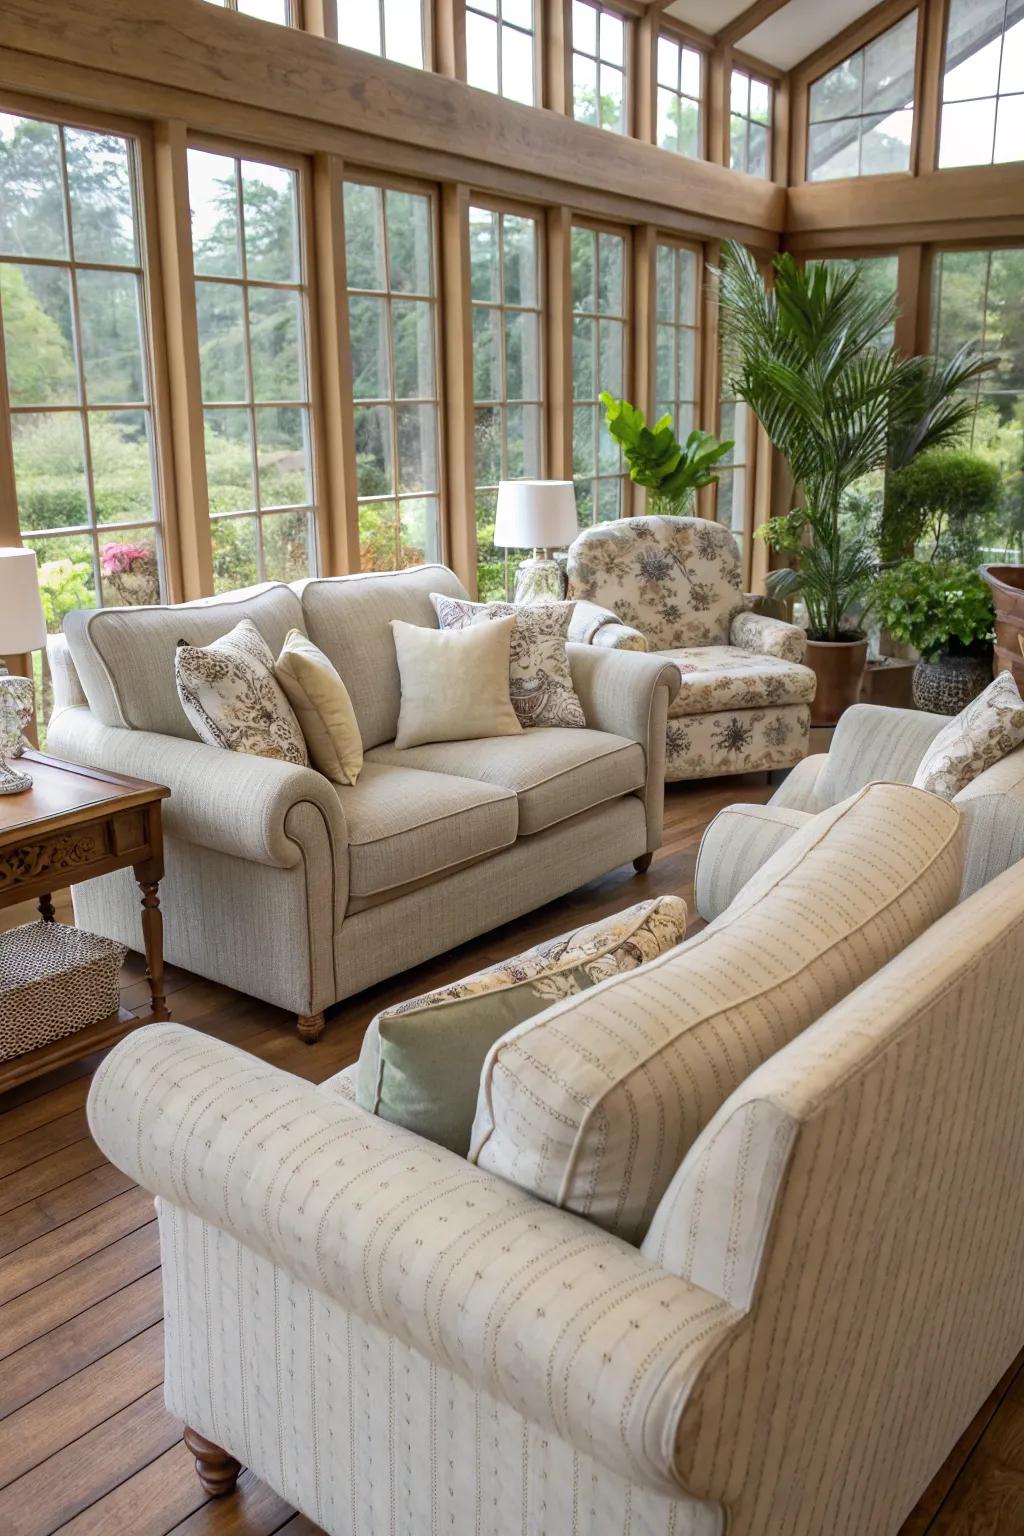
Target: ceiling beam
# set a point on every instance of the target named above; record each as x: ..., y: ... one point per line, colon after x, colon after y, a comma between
x: 747, y: 20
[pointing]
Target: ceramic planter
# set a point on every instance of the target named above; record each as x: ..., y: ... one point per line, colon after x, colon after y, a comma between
x: 947, y: 685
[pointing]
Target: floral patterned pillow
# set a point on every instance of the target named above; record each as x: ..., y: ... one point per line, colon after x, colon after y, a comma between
x: 420, y: 1061
x: 539, y: 677
x: 991, y: 727
x: 233, y: 700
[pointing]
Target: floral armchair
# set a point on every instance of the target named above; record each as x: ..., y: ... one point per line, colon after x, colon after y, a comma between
x: 745, y: 701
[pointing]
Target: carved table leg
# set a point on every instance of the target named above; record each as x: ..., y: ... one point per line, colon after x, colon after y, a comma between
x: 153, y: 936
x: 46, y: 911
x: 643, y: 863
x: 216, y: 1470
x: 310, y: 1026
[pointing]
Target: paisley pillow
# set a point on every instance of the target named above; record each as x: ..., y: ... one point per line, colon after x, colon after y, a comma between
x: 539, y: 678
x: 233, y: 700
x: 990, y: 728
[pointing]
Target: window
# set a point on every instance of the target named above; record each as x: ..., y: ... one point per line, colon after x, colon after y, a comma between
x: 392, y: 29
x: 251, y: 305
x: 77, y: 361
x: 599, y: 41
x: 750, y: 116
x: 679, y: 82
x: 677, y: 276
x: 598, y: 363
x: 732, y: 491
x: 508, y: 389
x: 265, y: 10
x: 499, y: 48
x: 881, y: 276
x: 392, y: 311
x: 862, y: 112
x: 983, y: 86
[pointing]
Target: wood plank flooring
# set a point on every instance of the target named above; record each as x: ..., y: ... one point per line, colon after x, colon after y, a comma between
x: 86, y: 1446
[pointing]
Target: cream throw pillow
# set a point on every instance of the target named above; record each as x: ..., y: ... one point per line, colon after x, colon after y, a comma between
x: 233, y: 700
x: 454, y: 683
x: 990, y: 728
x: 320, y: 700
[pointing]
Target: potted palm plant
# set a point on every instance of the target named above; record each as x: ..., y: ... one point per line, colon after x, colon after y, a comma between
x: 810, y: 356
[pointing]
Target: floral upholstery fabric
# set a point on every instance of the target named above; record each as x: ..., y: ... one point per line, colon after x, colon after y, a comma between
x: 989, y: 729
x: 736, y: 741
x: 676, y: 579
x: 768, y: 636
x: 233, y: 700
x: 540, y: 679
x: 593, y: 625
x: 420, y: 1061
x: 719, y: 677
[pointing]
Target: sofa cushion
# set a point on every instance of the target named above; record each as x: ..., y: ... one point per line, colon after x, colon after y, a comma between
x: 454, y: 683
x: 420, y: 1061
x: 349, y: 618
x: 125, y: 656
x: 719, y: 677
x: 987, y: 730
x: 540, y: 677
x: 593, y: 1104
x: 405, y: 825
x: 233, y: 700
x: 555, y: 773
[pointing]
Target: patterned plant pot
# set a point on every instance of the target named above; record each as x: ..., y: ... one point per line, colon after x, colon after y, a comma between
x: 948, y: 684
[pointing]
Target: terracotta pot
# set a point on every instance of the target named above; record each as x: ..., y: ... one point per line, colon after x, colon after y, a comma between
x: 839, y: 667
x: 948, y: 684
x: 1007, y: 583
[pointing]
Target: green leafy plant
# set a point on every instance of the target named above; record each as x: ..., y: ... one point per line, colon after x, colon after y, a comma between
x: 810, y: 356
x: 945, y: 498
x: 64, y: 585
x: 939, y: 607
x: 671, y: 471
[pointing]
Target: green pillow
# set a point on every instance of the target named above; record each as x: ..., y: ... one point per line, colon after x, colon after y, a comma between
x: 421, y: 1061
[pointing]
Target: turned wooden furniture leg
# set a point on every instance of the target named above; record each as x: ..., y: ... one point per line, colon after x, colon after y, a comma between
x: 310, y: 1026
x: 216, y: 1470
x: 46, y: 911
x: 643, y: 863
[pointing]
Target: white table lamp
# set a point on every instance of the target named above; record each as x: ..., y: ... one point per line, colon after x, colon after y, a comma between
x: 22, y: 629
x: 535, y: 514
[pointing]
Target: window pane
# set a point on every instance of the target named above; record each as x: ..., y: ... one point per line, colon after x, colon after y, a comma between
x: 100, y: 190
x: 38, y: 339
x: 374, y: 469
x: 1009, y: 129
x: 368, y: 331
x: 235, y: 560
x: 216, y: 228
x: 364, y: 237
x: 266, y: 10
x: 409, y: 243
x: 403, y: 31
x: 517, y: 66
x: 481, y: 52
x: 130, y: 568
x: 483, y: 254
x: 583, y: 252
x: 270, y: 216
x: 885, y: 143
x: 359, y: 25
x: 668, y: 63
x: 838, y: 94
x: 282, y: 457
x: 32, y: 205
x: 122, y: 467
x: 889, y: 67
x: 833, y: 153
x: 520, y: 249
x: 739, y: 92
x: 229, y: 461
x: 689, y: 72
x: 973, y: 39
x: 417, y: 447
x: 613, y: 99
x: 584, y: 27
x: 521, y: 356
x: 967, y: 135
x: 275, y: 342
x: 981, y: 115
x: 611, y: 259
x: 757, y: 161
x: 487, y: 383
x: 584, y: 358
x: 760, y: 101
x: 584, y: 90
x: 108, y: 304
x: 221, y: 341
x: 413, y: 341
x: 287, y: 546
x: 49, y: 471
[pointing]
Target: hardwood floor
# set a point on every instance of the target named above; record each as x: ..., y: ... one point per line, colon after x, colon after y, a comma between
x: 86, y: 1446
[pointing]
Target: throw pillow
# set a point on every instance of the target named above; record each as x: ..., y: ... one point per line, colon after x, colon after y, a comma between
x: 454, y: 683
x: 324, y: 710
x: 990, y: 728
x: 540, y: 679
x: 593, y: 1104
x: 232, y: 699
x: 420, y: 1062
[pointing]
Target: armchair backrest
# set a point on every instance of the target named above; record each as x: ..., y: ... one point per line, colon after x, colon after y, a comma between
x: 860, y: 1193
x: 676, y: 579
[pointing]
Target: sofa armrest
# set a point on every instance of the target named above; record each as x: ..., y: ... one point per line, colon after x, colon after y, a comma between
x: 875, y: 742
x: 567, y: 1325
x: 593, y: 625
x: 767, y: 636
x: 229, y: 801
x: 800, y: 790
x: 734, y: 847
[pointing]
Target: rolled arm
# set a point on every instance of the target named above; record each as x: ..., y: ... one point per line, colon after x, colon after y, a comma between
x: 873, y: 742
x: 768, y: 636
x: 229, y: 801
x: 571, y: 1327
x: 593, y: 625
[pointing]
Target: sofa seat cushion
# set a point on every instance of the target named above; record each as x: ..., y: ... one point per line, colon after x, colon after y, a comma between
x: 554, y: 773
x: 406, y: 825
x: 593, y: 1104
x: 717, y: 677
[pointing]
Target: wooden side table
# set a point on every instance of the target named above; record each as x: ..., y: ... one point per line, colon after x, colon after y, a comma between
x: 72, y: 825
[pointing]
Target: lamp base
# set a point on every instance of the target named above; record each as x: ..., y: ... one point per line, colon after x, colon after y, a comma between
x: 539, y: 580
x: 12, y: 780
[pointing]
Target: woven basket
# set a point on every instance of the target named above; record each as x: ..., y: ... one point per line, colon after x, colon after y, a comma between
x: 54, y: 980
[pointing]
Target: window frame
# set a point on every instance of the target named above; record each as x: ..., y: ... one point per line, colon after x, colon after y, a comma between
x: 628, y: 17
x: 752, y: 75
x: 625, y: 232
x: 397, y: 183
x: 307, y: 286
x: 675, y: 32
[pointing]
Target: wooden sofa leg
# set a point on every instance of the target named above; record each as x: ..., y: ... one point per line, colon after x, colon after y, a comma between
x: 216, y: 1470
x: 310, y: 1026
x: 643, y: 863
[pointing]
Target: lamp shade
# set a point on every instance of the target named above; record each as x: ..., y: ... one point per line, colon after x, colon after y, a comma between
x: 535, y: 514
x: 22, y: 625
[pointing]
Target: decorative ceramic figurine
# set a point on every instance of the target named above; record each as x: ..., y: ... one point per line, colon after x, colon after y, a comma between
x: 17, y: 701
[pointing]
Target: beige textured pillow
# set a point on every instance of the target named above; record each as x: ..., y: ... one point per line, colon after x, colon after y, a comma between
x: 454, y: 683
x: 990, y: 728
x: 320, y: 700
x: 233, y: 700
x: 594, y: 1104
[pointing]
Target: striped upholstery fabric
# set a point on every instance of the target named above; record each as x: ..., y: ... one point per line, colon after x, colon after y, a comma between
x: 735, y: 845
x: 875, y: 742
x: 592, y: 1104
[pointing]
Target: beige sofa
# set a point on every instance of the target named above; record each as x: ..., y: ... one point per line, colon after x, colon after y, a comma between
x: 291, y: 889
x: 871, y: 742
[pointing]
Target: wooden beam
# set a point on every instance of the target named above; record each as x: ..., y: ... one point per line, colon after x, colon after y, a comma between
x: 645, y: 84
x: 748, y: 19
x: 645, y: 294
x: 908, y: 284
x: 449, y: 37
x: 716, y: 104
x: 931, y: 23
x: 320, y: 17
x: 556, y: 22
x: 558, y: 342
x: 457, y: 353
x: 980, y: 201
x: 339, y: 533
